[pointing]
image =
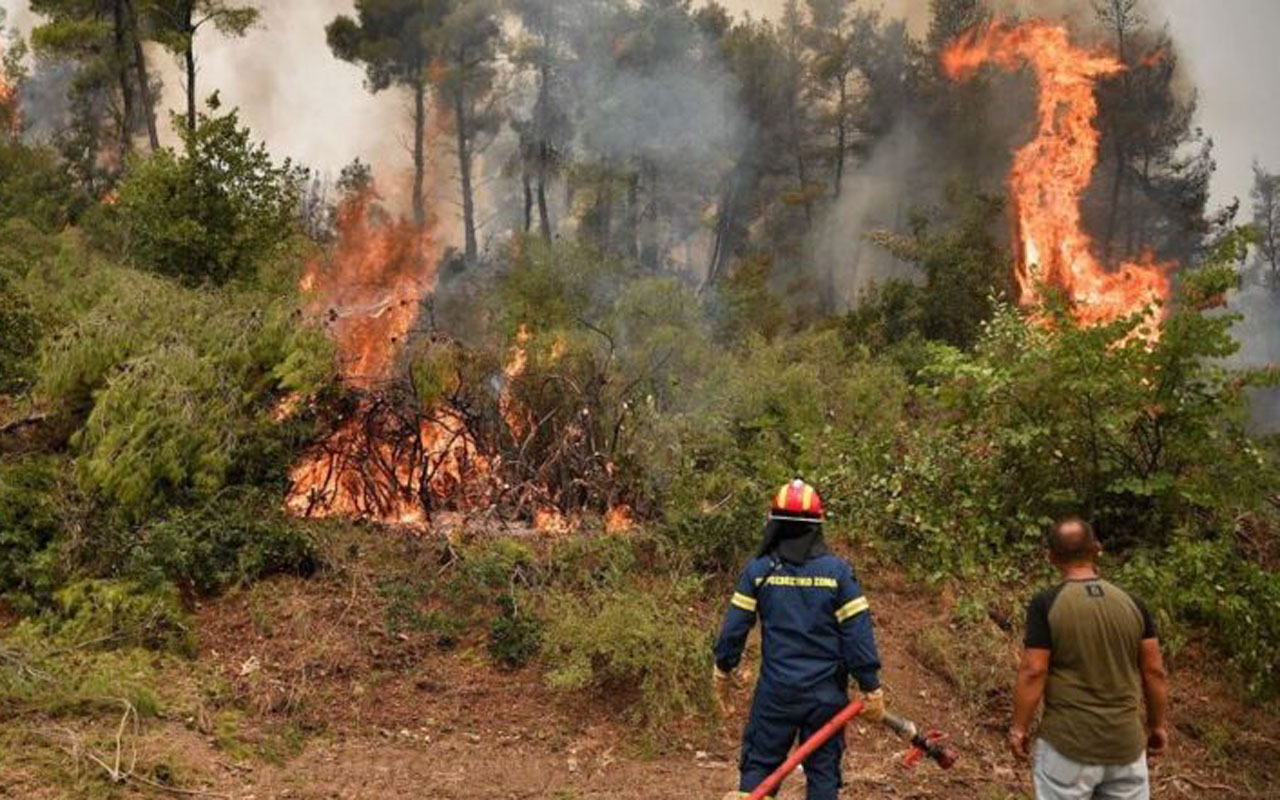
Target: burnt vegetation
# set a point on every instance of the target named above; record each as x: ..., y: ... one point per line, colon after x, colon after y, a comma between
x: 697, y: 254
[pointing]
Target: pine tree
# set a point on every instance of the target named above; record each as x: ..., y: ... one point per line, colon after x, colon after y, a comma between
x: 178, y: 22
x: 392, y: 40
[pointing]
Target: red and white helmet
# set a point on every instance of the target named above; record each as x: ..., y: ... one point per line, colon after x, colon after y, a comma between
x: 797, y: 502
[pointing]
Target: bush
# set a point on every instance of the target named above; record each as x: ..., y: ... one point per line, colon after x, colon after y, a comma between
x: 1140, y: 437
x: 215, y: 212
x: 31, y: 562
x: 239, y: 536
x: 120, y: 614
x: 19, y: 334
x: 635, y: 642
x: 35, y: 186
x: 174, y: 386
x: 514, y: 637
x: 1210, y: 588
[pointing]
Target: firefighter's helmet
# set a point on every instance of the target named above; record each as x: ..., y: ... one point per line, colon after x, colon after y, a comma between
x: 797, y: 502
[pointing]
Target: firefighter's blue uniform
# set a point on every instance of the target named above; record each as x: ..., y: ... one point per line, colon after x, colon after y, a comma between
x: 816, y: 631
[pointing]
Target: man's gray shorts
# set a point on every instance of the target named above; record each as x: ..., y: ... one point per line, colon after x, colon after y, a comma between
x: 1059, y: 778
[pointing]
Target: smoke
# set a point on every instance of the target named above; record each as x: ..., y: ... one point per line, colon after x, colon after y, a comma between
x: 294, y: 94
x: 877, y: 194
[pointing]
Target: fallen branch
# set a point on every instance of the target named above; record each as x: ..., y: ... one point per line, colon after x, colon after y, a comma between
x: 1200, y: 785
x: 116, y: 772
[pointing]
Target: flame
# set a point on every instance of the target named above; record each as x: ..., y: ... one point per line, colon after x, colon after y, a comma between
x: 361, y: 471
x: 618, y: 519
x: 1053, y: 171
x: 516, y: 367
x: 9, y: 113
x: 369, y: 291
x: 378, y: 464
x: 549, y: 520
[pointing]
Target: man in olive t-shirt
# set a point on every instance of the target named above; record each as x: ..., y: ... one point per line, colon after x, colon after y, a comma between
x: 1092, y: 654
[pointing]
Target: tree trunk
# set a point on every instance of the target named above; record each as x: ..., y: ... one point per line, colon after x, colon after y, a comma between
x: 419, y: 151
x: 464, y: 171
x: 144, y: 80
x: 189, y: 55
x: 122, y: 74
x: 842, y: 134
x: 544, y: 213
x: 527, y: 183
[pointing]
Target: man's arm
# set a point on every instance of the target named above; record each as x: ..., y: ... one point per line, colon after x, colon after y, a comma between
x: 1155, y: 689
x: 1028, y: 690
x: 857, y: 635
x: 1033, y: 672
x: 738, y: 622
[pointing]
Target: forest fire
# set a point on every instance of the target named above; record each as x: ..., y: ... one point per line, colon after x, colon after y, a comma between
x: 1051, y: 174
x: 391, y: 460
x: 395, y: 457
x: 9, y: 119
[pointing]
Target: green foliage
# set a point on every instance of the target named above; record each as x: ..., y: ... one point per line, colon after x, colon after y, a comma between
x: 634, y: 641
x: 44, y: 675
x: 119, y: 614
x: 238, y: 536
x: 799, y: 406
x: 19, y: 334
x: 514, y: 637
x: 174, y: 386
x: 35, y: 187
x: 962, y: 266
x: 31, y: 522
x: 1095, y: 420
x: 1207, y: 586
x: 215, y: 212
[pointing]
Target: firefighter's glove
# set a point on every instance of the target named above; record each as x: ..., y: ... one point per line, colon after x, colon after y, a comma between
x: 723, y: 684
x: 873, y: 706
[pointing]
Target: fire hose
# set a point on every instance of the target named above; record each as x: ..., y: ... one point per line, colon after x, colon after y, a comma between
x: 930, y: 743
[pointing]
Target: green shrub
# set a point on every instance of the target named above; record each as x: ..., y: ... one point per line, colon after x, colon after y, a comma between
x: 216, y: 211
x: 635, y: 641
x: 514, y: 637
x: 43, y: 675
x: 174, y: 386
x: 1096, y: 420
x: 407, y: 612
x: 19, y: 334
x: 239, y: 536
x: 120, y: 614
x: 1209, y: 588
x: 31, y: 517
x: 35, y: 186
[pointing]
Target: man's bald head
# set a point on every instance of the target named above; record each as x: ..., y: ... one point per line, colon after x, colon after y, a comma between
x: 1072, y: 541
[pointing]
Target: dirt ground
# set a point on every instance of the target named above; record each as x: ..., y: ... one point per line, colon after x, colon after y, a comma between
x: 328, y: 705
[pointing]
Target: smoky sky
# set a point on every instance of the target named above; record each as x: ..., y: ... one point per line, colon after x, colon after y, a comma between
x: 307, y: 105
x: 1229, y: 51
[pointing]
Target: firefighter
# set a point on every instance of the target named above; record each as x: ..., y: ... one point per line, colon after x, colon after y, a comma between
x: 816, y: 634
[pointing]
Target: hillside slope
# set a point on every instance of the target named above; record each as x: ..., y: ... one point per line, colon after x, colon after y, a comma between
x: 299, y: 692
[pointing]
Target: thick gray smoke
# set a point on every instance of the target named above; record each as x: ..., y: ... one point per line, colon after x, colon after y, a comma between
x: 877, y: 194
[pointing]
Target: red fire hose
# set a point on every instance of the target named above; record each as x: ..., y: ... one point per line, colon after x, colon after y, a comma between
x: 929, y: 744
x: 805, y: 750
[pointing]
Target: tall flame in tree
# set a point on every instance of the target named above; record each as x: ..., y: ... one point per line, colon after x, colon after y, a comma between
x: 1051, y: 174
